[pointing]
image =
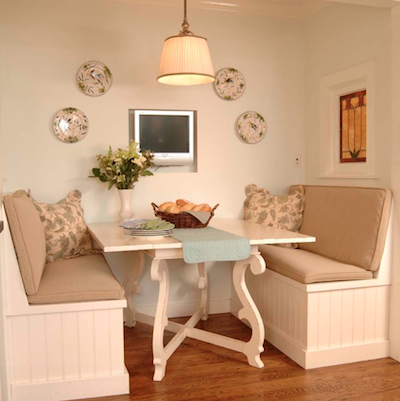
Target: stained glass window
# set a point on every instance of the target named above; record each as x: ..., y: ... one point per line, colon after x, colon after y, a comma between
x: 353, y: 127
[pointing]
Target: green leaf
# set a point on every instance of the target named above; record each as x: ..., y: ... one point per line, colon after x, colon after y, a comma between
x: 96, y: 172
x: 69, y: 110
x: 260, y: 117
x: 58, y: 255
x: 73, y: 237
x: 354, y: 154
x: 110, y: 185
x: 144, y: 173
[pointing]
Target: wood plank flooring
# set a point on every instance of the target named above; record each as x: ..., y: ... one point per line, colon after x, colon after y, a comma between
x: 199, y: 371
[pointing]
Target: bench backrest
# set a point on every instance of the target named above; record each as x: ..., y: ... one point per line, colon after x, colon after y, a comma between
x: 350, y: 223
x: 28, y: 238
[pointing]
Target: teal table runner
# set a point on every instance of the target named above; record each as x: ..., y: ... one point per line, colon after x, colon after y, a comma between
x: 209, y: 244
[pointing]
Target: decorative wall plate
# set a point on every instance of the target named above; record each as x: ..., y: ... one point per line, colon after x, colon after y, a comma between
x: 251, y: 127
x: 94, y: 78
x: 229, y: 84
x: 70, y: 125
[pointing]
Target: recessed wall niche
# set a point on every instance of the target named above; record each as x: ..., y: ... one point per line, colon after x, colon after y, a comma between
x: 333, y: 89
x: 171, y: 134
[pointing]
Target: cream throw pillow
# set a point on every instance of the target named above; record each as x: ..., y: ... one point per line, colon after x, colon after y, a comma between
x: 279, y: 211
x: 65, y: 229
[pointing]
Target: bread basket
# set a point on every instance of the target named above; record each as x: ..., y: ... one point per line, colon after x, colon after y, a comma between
x: 182, y: 220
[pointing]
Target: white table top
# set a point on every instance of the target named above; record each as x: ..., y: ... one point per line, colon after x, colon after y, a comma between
x: 110, y: 237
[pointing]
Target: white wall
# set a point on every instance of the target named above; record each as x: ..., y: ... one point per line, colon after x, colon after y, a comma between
x: 339, y: 37
x: 2, y: 306
x: 46, y: 41
x: 395, y: 300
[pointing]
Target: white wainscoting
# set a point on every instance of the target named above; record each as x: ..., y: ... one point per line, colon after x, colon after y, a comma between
x: 62, y: 349
x: 58, y: 351
x: 69, y: 345
x: 322, y: 324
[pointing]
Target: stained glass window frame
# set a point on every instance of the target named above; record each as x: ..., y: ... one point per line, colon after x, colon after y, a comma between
x: 359, y: 93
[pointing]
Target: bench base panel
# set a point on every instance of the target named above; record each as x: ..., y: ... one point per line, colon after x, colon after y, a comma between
x: 72, y: 389
x: 54, y: 356
x: 320, y: 324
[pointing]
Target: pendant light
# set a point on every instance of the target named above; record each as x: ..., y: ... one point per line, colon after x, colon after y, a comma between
x: 185, y: 59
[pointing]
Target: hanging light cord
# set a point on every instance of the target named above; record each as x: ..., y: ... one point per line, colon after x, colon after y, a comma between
x: 185, y: 25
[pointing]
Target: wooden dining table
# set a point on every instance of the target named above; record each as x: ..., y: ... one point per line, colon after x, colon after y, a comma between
x: 110, y: 238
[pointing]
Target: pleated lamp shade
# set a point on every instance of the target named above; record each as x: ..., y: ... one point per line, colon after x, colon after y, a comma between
x: 186, y: 60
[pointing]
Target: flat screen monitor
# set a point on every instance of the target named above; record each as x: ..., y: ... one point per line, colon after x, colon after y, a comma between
x: 170, y: 134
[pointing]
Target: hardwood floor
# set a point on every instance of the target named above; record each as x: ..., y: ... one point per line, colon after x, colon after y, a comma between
x: 199, y: 371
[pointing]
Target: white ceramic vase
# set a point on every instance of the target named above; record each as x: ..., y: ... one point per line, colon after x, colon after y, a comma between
x: 125, y: 195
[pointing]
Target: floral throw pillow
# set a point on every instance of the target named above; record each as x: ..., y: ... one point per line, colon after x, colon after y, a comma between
x: 279, y: 211
x: 65, y: 229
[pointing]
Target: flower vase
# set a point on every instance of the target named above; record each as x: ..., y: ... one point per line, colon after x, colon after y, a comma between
x: 125, y: 196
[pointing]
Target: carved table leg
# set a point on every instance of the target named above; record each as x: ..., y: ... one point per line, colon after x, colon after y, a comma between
x: 132, y: 287
x: 203, y: 286
x: 254, y: 347
x: 159, y: 272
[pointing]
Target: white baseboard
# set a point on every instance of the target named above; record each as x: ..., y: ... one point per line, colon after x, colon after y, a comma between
x: 72, y: 389
x: 326, y: 357
x: 351, y: 354
x: 286, y: 345
x: 181, y: 309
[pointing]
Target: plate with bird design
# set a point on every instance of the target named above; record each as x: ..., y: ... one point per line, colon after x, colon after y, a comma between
x: 229, y: 84
x: 70, y: 125
x: 251, y: 127
x: 94, y: 78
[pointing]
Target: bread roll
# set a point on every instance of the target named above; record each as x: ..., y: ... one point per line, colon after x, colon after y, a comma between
x: 204, y: 207
x: 173, y: 209
x: 183, y: 202
x: 207, y: 207
x: 163, y: 206
x: 188, y: 207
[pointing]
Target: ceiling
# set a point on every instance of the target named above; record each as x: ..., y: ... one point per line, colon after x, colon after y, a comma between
x: 283, y: 8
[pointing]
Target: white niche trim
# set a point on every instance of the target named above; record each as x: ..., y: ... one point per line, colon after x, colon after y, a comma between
x: 332, y: 87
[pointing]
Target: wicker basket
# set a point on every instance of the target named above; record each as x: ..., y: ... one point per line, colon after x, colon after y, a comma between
x: 182, y: 220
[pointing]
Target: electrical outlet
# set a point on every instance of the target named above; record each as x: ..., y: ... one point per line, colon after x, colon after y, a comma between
x: 296, y: 161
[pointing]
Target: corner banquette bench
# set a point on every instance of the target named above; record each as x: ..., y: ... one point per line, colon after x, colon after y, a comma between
x: 61, y: 322
x: 327, y: 303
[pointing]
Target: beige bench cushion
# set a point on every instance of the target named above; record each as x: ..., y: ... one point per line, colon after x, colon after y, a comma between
x: 28, y: 238
x: 350, y: 223
x: 307, y: 267
x: 85, y: 278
